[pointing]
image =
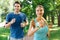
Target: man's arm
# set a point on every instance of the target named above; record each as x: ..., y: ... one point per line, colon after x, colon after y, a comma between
x: 9, y: 23
x: 24, y: 23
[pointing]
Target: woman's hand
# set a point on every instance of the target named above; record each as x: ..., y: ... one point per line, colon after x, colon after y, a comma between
x: 41, y: 22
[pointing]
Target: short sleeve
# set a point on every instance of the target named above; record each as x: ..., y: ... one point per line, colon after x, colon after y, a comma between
x: 25, y: 18
x: 7, y: 18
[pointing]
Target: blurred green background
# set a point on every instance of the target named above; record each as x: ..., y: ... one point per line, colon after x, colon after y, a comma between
x: 52, y: 15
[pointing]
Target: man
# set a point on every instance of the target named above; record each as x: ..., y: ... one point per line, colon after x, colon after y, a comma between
x: 16, y: 21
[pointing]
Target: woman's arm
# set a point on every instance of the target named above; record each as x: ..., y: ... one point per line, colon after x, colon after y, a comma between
x: 32, y: 30
x: 48, y: 34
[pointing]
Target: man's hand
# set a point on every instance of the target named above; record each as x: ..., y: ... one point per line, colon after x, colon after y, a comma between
x: 23, y: 24
x: 12, y: 21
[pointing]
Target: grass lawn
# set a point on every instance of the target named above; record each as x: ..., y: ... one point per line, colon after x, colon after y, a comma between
x: 54, y: 35
x: 4, y: 33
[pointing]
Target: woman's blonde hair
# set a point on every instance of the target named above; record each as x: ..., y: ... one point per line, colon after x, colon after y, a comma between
x: 40, y: 6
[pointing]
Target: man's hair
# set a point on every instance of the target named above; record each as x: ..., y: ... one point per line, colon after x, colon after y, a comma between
x: 16, y: 2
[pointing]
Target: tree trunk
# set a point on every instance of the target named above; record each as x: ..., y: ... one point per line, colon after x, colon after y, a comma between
x: 52, y: 18
x: 59, y: 20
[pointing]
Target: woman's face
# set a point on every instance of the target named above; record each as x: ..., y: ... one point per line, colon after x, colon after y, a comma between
x: 17, y: 7
x: 39, y: 11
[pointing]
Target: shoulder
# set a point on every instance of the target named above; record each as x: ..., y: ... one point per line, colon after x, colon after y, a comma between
x: 21, y: 13
x: 10, y: 13
x: 43, y: 18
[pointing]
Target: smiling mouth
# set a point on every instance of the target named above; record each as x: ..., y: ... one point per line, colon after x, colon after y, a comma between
x: 40, y: 14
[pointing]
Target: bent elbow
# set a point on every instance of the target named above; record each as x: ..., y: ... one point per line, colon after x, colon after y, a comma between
x: 5, y: 26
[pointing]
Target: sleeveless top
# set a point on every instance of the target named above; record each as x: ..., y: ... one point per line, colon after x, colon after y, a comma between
x: 40, y: 34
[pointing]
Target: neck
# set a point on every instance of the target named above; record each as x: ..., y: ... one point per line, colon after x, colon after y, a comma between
x: 16, y: 12
x: 39, y: 18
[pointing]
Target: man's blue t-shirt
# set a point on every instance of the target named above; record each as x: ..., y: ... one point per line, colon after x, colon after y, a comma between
x: 16, y: 31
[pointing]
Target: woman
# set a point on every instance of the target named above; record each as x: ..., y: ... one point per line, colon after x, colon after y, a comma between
x: 38, y: 26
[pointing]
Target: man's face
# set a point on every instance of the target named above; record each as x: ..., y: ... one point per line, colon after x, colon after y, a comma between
x: 17, y: 7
